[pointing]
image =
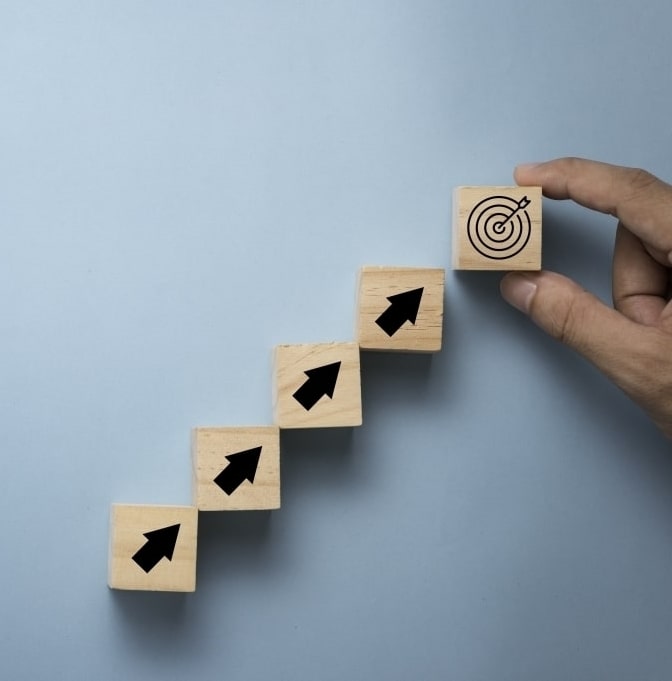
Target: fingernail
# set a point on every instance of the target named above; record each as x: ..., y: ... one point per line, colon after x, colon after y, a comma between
x: 527, y: 166
x: 518, y: 290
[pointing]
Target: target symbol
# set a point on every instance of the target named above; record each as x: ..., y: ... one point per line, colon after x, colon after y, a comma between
x: 499, y: 227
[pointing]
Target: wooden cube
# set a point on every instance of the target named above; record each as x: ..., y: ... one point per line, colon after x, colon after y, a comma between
x: 153, y: 548
x: 400, y: 308
x: 236, y: 469
x: 497, y: 228
x: 317, y: 386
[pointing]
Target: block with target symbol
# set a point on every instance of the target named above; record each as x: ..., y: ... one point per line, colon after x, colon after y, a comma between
x: 317, y: 385
x: 400, y: 309
x: 497, y: 228
x: 236, y: 469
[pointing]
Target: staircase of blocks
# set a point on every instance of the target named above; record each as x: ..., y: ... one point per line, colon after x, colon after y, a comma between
x: 400, y: 309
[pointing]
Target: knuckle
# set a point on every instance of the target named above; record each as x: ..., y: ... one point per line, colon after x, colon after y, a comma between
x: 570, y: 165
x: 654, y: 362
x: 636, y: 187
x: 639, y: 182
x: 571, y: 319
x: 648, y: 377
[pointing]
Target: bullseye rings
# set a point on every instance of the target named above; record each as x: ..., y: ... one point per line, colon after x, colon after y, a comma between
x: 498, y: 227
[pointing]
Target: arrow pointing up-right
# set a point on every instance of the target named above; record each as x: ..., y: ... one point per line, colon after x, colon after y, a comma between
x: 403, y: 308
x: 160, y: 544
x: 242, y: 466
x: 321, y: 381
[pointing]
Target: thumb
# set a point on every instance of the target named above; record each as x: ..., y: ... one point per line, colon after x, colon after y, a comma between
x: 625, y: 351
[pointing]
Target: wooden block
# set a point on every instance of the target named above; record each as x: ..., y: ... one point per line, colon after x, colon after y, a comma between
x: 236, y: 469
x: 497, y: 228
x: 400, y: 308
x: 317, y: 386
x: 153, y: 548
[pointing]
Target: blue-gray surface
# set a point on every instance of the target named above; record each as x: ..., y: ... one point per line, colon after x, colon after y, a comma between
x: 185, y: 185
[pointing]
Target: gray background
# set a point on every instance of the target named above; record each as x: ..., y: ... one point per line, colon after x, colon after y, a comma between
x: 185, y: 185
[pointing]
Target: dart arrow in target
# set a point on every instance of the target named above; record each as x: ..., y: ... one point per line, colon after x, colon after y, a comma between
x: 403, y: 308
x: 242, y: 466
x: 321, y: 381
x: 522, y: 205
x: 160, y: 544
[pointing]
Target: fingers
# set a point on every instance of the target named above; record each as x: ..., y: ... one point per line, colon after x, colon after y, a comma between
x: 628, y: 353
x: 639, y: 282
x: 640, y: 201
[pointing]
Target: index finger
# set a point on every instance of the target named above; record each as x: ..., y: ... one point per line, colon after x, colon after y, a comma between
x: 641, y: 201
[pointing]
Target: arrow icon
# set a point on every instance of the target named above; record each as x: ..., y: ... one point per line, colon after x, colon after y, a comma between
x: 403, y: 308
x: 521, y: 205
x: 321, y: 381
x: 160, y: 544
x: 242, y: 466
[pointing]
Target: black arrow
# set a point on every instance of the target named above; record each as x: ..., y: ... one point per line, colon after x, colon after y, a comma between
x: 160, y: 544
x: 321, y: 381
x: 242, y: 466
x: 403, y: 308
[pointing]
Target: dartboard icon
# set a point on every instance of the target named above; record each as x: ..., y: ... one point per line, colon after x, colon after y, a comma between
x: 499, y: 227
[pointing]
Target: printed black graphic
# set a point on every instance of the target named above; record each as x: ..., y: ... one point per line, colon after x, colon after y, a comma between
x: 403, y: 308
x: 499, y: 227
x: 242, y: 466
x: 160, y: 544
x: 321, y: 381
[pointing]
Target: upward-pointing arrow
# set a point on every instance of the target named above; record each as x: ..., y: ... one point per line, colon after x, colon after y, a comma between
x: 160, y: 544
x: 321, y: 381
x: 242, y: 466
x: 403, y: 308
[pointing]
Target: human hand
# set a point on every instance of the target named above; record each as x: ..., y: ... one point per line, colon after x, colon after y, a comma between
x: 632, y: 343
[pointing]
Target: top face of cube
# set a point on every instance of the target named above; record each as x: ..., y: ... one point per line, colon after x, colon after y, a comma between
x: 236, y: 469
x: 400, y: 308
x: 497, y: 228
x: 153, y: 548
x: 317, y: 386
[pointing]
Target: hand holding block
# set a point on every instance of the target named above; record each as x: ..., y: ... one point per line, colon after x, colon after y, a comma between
x: 236, y: 469
x: 497, y: 228
x: 317, y: 386
x: 153, y: 548
x: 400, y: 308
